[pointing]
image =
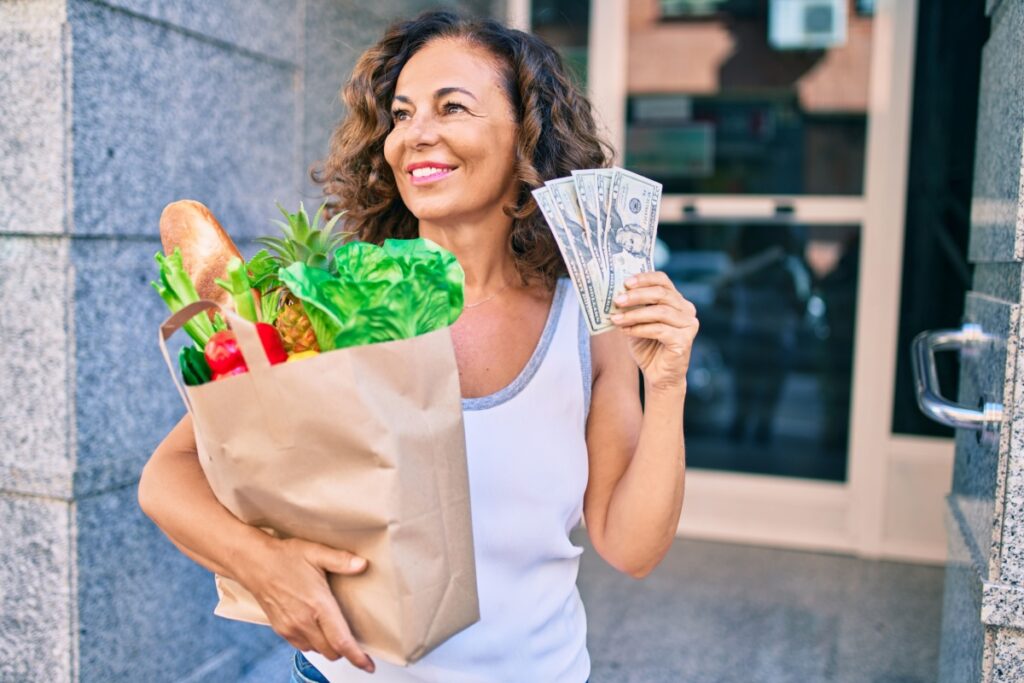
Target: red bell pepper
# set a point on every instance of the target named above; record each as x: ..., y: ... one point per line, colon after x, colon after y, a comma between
x: 225, y: 358
x: 272, y: 344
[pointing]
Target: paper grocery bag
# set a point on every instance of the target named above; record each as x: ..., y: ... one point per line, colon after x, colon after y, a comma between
x: 361, y: 449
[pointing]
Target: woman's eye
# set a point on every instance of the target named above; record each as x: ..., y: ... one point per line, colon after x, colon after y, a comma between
x: 399, y: 115
x: 452, y: 107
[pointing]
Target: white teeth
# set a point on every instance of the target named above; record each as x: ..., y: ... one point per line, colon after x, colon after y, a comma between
x: 427, y: 170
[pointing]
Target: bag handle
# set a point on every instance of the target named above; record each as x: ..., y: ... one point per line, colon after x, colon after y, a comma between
x: 248, y: 340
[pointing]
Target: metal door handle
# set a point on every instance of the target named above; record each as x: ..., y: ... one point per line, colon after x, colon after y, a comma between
x: 926, y: 380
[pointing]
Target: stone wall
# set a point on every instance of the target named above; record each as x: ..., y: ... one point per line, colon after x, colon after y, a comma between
x: 983, y: 609
x: 109, y: 110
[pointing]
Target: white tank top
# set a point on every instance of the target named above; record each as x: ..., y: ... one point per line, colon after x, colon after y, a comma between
x: 528, y: 469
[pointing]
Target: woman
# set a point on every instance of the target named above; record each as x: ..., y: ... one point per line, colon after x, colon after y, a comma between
x: 450, y: 124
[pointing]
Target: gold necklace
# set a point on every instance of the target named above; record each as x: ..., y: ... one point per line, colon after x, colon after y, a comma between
x: 480, y: 303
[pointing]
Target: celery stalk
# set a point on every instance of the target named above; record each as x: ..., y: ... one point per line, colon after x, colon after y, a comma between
x: 241, y: 290
x: 175, y: 287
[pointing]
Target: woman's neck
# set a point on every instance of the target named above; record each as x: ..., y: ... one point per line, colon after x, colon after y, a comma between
x: 481, y: 248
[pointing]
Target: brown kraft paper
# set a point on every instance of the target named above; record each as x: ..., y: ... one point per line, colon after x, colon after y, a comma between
x: 360, y: 449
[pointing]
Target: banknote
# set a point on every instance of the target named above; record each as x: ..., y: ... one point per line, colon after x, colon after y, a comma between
x: 605, y: 222
x: 632, y: 227
x: 586, y: 191
x: 604, y: 183
x: 595, y: 277
x: 587, y: 298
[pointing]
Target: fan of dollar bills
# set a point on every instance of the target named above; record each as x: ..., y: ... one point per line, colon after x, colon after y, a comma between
x: 605, y: 221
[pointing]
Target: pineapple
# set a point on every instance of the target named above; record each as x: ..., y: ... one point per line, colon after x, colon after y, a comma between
x: 309, y: 243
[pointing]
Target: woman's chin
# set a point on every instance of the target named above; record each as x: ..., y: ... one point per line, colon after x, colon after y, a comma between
x: 428, y: 211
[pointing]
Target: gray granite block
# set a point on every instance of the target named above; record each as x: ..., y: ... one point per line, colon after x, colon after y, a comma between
x: 963, y: 634
x: 1007, y: 664
x: 999, y: 280
x: 1002, y: 605
x: 125, y: 401
x: 32, y: 13
x: 33, y: 135
x: 161, y: 115
x: 997, y: 210
x: 980, y: 470
x: 36, y: 616
x: 266, y: 27
x: 145, y: 610
x: 35, y: 365
x: 1009, y: 513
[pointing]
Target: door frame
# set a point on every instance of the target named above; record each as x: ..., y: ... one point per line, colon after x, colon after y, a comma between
x: 892, y: 503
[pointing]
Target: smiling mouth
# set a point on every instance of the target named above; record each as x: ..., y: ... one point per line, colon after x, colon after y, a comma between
x: 429, y: 174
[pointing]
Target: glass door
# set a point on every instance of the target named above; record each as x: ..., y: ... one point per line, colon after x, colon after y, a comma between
x: 774, y: 126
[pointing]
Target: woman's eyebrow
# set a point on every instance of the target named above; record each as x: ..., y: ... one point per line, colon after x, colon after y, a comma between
x: 439, y: 93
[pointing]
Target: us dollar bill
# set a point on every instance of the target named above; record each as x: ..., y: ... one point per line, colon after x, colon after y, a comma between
x: 595, y: 277
x: 586, y: 191
x: 604, y: 184
x: 632, y: 227
x: 585, y: 293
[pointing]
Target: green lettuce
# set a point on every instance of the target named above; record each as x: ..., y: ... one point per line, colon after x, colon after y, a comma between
x: 379, y: 293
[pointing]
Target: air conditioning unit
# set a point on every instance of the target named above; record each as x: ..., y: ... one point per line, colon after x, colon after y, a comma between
x: 806, y: 24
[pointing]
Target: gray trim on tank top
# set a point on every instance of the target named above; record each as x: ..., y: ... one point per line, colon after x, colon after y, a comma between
x: 585, y: 368
x: 526, y: 374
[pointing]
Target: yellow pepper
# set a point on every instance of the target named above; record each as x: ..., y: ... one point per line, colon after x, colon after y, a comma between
x: 302, y: 355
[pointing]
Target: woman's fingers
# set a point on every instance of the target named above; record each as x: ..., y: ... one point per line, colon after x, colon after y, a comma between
x: 666, y: 334
x: 339, y: 635
x: 334, y: 561
x: 293, y: 589
x: 654, y: 277
x: 328, y: 618
x: 653, y: 288
x: 654, y: 313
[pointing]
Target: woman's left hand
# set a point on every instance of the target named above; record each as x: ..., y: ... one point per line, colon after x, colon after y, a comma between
x: 660, y: 328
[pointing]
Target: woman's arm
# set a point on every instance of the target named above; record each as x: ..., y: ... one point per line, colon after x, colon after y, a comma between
x: 174, y: 493
x: 287, y: 577
x: 637, y: 458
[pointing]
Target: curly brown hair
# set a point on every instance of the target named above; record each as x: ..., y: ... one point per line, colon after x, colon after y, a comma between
x: 555, y: 134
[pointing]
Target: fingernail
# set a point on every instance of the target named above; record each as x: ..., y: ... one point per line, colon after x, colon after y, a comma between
x: 616, y: 317
x: 621, y: 299
x: 356, y: 563
x: 631, y: 281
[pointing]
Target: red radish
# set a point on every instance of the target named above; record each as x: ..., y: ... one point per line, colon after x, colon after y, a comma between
x: 222, y: 353
x: 238, y: 370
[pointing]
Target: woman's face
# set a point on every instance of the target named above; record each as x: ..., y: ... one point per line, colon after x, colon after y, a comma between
x: 452, y: 145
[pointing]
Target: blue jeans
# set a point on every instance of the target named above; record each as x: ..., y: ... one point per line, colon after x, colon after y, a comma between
x: 304, y: 672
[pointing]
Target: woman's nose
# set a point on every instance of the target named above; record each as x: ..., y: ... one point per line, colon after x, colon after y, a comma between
x: 422, y: 131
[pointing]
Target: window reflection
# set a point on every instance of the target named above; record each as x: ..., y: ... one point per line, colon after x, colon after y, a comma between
x: 749, y: 96
x: 769, y: 381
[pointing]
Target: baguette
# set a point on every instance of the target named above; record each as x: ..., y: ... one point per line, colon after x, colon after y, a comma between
x: 205, y: 248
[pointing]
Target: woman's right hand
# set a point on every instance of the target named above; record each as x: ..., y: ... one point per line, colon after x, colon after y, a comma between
x: 289, y: 580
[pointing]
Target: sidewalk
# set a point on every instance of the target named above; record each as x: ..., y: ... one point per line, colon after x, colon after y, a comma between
x: 719, y: 613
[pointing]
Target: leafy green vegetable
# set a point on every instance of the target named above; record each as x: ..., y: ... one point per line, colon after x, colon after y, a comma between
x: 175, y: 287
x: 194, y: 368
x: 262, y: 269
x: 403, y: 289
x: 241, y: 290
